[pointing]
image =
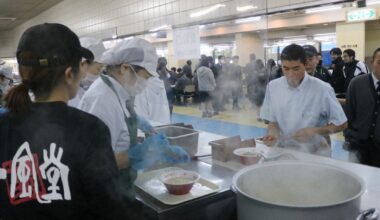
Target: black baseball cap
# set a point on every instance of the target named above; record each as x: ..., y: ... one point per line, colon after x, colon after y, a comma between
x: 310, y: 51
x: 49, y: 45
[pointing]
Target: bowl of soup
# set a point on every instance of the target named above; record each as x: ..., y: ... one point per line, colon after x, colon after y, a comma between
x: 248, y: 155
x: 179, y: 182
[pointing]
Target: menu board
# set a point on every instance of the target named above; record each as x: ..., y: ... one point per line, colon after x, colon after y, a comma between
x: 186, y: 43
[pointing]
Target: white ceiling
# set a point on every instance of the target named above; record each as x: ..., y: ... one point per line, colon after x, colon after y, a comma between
x: 22, y: 10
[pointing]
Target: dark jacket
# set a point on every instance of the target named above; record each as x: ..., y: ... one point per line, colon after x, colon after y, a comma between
x: 337, y: 78
x: 322, y: 74
x: 361, y: 107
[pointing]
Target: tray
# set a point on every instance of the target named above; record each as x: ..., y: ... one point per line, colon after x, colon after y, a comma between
x: 149, y: 183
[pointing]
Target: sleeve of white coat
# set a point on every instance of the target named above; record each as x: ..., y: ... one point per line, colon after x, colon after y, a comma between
x: 266, y: 112
x: 336, y: 115
x: 141, y: 104
x: 103, y: 110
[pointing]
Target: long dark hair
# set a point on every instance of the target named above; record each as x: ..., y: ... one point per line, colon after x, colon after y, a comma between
x: 39, y: 80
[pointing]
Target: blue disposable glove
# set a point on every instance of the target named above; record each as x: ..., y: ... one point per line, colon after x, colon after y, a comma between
x: 175, y: 155
x: 144, y: 125
x: 146, y: 154
x: 156, y: 148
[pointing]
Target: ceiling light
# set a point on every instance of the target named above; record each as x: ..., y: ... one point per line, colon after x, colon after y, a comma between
x: 325, y: 34
x: 373, y: 3
x: 247, y: 20
x: 323, y: 9
x: 291, y: 40
x: 206, y: 11
x: 246, y: 8
x: 8, y: 18
x: 163, y: 27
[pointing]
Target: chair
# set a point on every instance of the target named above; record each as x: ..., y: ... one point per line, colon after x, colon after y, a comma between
x: 188, y: 92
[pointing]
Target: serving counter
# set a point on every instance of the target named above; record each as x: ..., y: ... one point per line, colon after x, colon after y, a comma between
x: 222, y: 204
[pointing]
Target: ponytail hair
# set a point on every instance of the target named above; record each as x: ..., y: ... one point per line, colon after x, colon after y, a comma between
x: 39, y: 80
x: 17, y: 100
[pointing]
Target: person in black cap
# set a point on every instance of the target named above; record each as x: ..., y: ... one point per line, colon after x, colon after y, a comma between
x: 56, y: 162
x: 312, y: 63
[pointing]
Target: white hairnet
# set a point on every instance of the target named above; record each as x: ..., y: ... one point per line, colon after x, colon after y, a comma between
x: 95, y: 46
x: 6, y: 71
x: 135, y: 51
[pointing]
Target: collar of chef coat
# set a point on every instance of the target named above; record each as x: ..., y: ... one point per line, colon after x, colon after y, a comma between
x: 301, y: 87
x: 121, y: 91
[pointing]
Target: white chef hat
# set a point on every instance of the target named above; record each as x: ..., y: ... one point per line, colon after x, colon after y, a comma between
x: 136, y: 51
x: 95, y: 46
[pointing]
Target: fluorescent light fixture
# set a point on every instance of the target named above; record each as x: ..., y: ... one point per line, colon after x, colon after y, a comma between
x: 8, y: 18
x: 206, y: 11
x: 373, y: 3
x: 246, y: 8
x: 323, y: 9
x: 325, y: 34
x: 163, y: 27
x: 247, y: 20
x: 291, y: 40
x: 202, y: 26
x: 324, y: 37
x: 154, y: 35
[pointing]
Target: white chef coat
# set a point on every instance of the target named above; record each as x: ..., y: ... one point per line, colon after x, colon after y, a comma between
x: 102, y: 102
x: 152, y: 103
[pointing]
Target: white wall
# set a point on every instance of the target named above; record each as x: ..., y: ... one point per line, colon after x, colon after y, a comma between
x: 104, y: 18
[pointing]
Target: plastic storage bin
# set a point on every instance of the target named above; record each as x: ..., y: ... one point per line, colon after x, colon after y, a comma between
x: 180, y: 136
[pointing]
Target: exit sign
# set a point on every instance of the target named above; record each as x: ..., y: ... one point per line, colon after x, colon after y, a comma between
x: 361, y: 15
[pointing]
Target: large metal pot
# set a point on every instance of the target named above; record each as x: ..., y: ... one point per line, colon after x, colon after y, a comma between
x: 293, y: 190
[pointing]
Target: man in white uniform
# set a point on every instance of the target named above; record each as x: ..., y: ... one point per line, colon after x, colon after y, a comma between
x: 302, y: 110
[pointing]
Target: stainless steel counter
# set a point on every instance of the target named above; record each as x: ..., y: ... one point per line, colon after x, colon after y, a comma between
x: 222, y: 205
x: 207, y: 207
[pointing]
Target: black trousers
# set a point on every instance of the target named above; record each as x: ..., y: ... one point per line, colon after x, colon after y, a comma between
x: 367, y: 151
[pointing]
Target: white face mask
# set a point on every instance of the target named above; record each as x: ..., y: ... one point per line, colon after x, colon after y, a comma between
x: 88, y: 80
x: 139, y: 86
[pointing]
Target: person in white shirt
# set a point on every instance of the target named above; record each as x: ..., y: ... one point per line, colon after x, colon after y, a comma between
x: 111, y: 98
x: 152, y: 103
x: 93, y: 68
x: 302, y: 111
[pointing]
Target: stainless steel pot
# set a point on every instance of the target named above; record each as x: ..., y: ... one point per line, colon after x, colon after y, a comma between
x: 293, y: 190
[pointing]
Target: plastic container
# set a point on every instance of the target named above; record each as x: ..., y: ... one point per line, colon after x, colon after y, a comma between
x: 222, y: 149
x: 179, y: 182
x: 183, y: 137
